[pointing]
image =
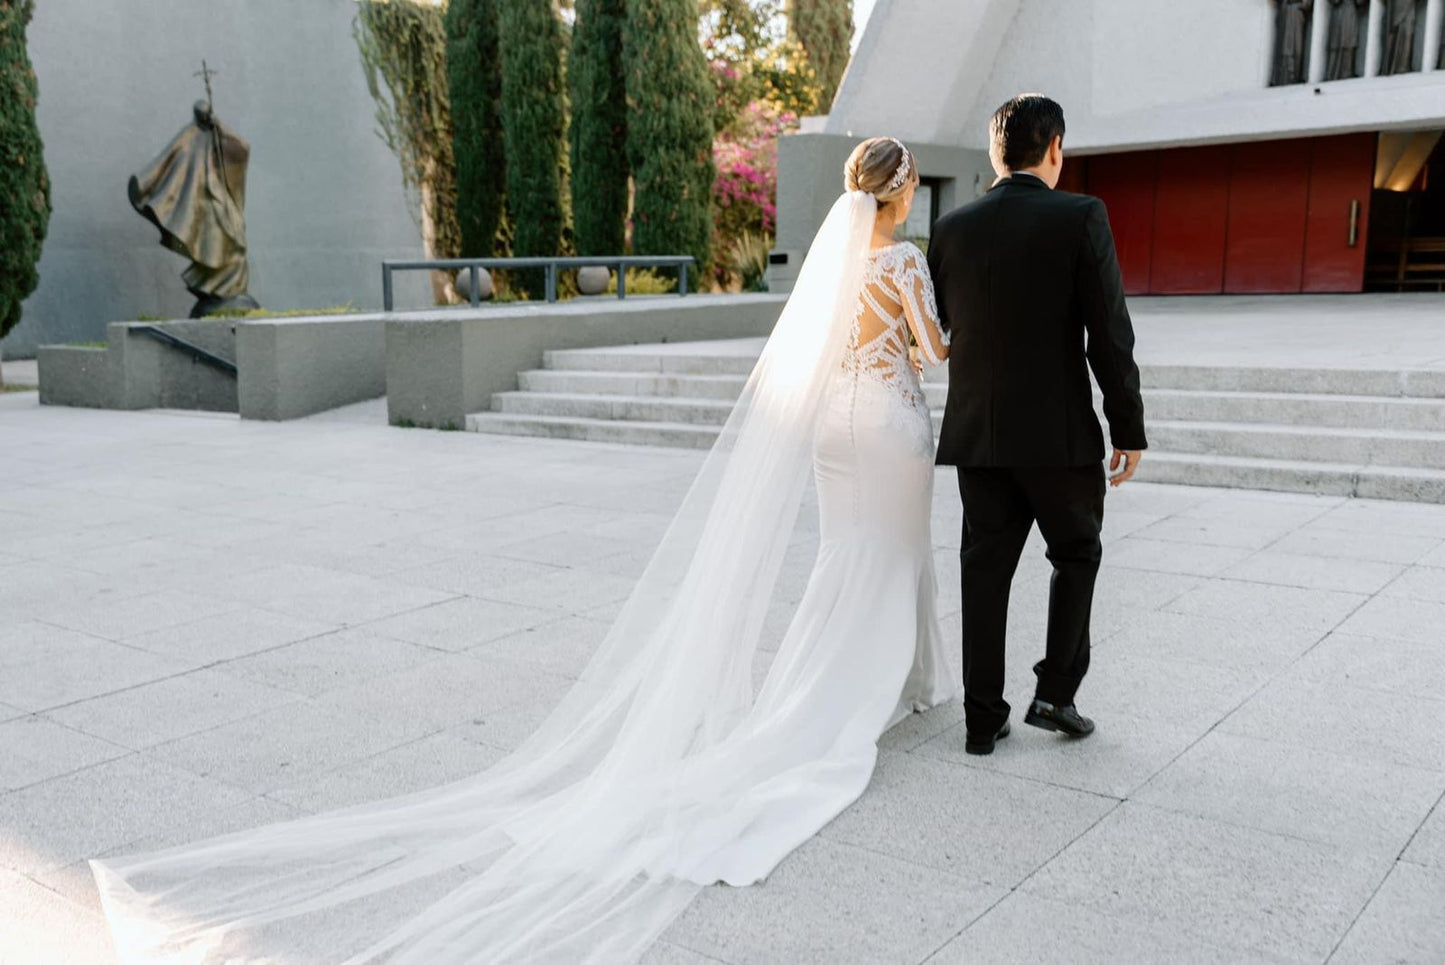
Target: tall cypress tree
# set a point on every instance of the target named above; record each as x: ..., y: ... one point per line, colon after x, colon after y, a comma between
x: 825, y: 29
x: 599, y: 127
x: 24, y: 183
x: 474, y: 75
x: 669, y: 130
x: 532, y: 121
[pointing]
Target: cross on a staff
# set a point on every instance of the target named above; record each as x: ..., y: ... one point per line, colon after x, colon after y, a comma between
x: 207, y: 73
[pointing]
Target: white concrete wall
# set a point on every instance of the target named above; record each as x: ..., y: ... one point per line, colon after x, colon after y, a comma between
x: 324, y: 197
x: 810, y: 178
x: 1130, y: 73
x: 918, y: 67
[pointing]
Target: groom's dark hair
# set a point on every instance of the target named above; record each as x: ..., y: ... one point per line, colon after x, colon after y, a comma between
x: 1021, y: 131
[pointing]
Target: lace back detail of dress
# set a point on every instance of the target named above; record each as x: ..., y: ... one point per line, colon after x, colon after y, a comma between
x: 896, y: 281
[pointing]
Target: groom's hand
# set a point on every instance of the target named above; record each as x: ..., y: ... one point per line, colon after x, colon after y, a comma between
x: 1130, y: 460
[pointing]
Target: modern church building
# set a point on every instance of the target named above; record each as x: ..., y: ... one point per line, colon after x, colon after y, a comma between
x: 1242, y: 146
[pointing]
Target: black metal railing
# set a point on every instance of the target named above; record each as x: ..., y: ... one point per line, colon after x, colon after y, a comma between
x: 190, y: 348
x: 620, y: 263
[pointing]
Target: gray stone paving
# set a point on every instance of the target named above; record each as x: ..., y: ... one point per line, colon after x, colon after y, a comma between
x: 207, y: 625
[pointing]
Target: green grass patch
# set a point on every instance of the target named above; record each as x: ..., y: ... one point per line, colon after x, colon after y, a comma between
x: 230, y: 314
x: 347, y: 309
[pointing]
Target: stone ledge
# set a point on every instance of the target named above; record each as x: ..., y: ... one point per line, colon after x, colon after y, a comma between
x: 442, y: 366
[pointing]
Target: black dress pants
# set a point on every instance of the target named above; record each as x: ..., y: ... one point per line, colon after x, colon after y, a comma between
x: 1000, y: 506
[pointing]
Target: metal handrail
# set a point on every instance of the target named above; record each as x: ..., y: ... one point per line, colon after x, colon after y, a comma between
x: 191, y: 349
x: 620, y: 262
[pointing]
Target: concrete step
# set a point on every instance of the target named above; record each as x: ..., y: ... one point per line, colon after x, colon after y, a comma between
x: 667, y: 434
x: 1357, y: 447
x: 1406, y: 383
x: 730, y: 357
x: 1195, y: 405
x: 591, y: 382
x: 1298, y: 476
x: 738, y: 358
x: 577, y: 382
x: 642, y: 408
x: 628, y: 408
x: 1295, y: 408
x: 1194, y: 469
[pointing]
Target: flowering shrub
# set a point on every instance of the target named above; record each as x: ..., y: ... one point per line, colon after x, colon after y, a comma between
x: 745, y: 194
x: 762, y: 83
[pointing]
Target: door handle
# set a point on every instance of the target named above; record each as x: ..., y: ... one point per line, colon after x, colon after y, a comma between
x: 1354, y: 238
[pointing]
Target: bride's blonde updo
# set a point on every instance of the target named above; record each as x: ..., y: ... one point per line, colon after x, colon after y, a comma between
x: 882, y: 167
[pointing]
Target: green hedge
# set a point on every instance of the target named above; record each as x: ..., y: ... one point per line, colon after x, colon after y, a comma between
x: 533, y: 122
x: 24, y: 183
x: 669, y: 130
x: 475, y: 80
x: 599, y: 128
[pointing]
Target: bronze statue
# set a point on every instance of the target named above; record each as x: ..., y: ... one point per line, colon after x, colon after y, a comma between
x: 1344, y: 38
x: 1291, y: 60
x: 195, y: 192
x: 1400, y: 37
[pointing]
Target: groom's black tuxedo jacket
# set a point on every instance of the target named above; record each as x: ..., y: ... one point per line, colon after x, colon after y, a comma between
x: 1023, y: 274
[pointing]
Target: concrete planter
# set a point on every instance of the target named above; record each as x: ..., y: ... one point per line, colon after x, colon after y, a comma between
x: 442, y: 366
x: 134, y: 371
x: 286, y: 367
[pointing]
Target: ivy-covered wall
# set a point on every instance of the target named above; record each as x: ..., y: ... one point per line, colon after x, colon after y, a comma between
x: 403, y: 48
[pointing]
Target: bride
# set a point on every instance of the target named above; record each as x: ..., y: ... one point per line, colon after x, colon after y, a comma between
x: 660, y: 772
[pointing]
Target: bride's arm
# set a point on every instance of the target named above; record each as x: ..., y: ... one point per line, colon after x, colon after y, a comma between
x: 920, y: 307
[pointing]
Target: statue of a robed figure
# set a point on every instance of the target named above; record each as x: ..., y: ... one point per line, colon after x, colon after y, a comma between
x: 195, y: 192
x: 1402, y: 16
x: 1343, y: 42
x: 1291, y: 42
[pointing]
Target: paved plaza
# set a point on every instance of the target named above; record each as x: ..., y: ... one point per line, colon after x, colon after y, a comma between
x: 208, y: 624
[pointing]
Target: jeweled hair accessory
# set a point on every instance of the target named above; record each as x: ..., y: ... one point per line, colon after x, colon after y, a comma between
x: 904, y: 167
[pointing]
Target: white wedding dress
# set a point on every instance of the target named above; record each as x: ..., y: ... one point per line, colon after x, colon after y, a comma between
x: 660, y: 772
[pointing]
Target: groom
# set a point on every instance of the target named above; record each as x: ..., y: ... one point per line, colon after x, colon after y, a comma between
x: 1026, y: 279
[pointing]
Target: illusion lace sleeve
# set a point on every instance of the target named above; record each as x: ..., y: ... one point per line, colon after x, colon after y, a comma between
x: 920, y: 306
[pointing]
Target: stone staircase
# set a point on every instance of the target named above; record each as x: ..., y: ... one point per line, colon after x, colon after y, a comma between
x: 1375, y: 433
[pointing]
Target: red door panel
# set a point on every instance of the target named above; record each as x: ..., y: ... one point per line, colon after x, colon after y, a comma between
x: 1342, y: 171
x: 1072, y: 178
x: 1268, y: 195
x: 1126, y: 184
x: 1191, y: 208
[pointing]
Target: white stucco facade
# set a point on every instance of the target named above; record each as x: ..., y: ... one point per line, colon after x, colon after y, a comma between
x: 324, y: 199
x: 1130, y: 73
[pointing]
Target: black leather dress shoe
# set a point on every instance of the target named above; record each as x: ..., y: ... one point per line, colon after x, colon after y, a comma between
x: 1066, y: 720
x: 984, y: 745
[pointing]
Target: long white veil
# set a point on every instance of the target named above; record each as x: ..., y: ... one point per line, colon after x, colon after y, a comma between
x: 584, y: 843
